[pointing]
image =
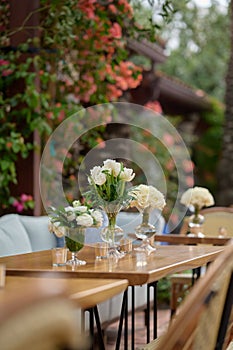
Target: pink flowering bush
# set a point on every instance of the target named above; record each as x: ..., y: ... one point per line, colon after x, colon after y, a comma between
x: 77, y: 57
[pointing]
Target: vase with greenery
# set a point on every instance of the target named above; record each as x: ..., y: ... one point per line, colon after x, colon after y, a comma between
x: 107, y: 190
x: 71, y: 222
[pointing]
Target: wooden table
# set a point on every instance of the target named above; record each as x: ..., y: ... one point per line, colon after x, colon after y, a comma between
x: 84, y: 292
x: 180, y: 239
x: 137, y: 268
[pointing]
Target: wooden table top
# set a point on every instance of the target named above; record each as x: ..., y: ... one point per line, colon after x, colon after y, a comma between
x: 180, y: 239
x: 137, y: 268
x: 85, y: 292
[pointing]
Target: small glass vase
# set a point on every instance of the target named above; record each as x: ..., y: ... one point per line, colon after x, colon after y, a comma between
x: 145, y: 231
x: 74, y: 242
x: 196, y: 224
x: 112, y: 234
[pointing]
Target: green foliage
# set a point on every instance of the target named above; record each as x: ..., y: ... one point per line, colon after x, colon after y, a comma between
x: 49, y: 77
x: 207, y: 151
x: 163, y: 291
x: 199, y: 46
x: 77, y: 58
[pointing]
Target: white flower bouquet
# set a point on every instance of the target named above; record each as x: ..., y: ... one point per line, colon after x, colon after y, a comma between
x: 107, y: 184
x: 198, y: 197
x: 147, y: 197
x: 73, y: 216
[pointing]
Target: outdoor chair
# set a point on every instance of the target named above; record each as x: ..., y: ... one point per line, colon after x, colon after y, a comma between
x: 203, y: 319
x: 218, y: 221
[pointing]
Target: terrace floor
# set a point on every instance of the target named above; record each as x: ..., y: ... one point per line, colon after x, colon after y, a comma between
x: 140, y: 334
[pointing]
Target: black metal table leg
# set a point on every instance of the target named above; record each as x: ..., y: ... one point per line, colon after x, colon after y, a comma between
x: 91, y: 324
x: 99, y: 329
x: 155, y: 310
x: 126, y: 324
x: 148, y: 314
x: 122, y: 315
x: 133, y: 318
x: 196, y: 273
x: 154, y: 286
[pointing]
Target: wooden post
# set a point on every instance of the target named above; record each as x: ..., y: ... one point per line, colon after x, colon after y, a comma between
x: 27, y: 169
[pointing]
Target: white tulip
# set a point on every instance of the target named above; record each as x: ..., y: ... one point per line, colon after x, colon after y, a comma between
x: 127, y: 174
x: 98, y: 177
x: 112, y: 166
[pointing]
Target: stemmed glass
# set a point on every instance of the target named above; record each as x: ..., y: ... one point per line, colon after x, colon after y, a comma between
x: 74, y: 242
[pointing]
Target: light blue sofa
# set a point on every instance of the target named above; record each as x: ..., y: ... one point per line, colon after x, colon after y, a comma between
x: 24, y: 234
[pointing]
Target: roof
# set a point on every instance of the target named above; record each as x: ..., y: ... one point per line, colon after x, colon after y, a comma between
x: 177, y: 97
x: 146, y: 48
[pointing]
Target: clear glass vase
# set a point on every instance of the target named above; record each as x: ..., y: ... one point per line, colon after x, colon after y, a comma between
x: 195, y: 224
x: 74, y: 242
x: 145, y: 231
x: 112, y: 234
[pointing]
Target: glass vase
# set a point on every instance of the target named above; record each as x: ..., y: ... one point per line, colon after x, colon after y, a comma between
x: 145, y: 231
x: 112, y: 234
x: 196, y: 224
x: 74, y: 242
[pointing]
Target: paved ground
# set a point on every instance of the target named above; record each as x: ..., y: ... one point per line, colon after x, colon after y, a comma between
x: 140, y: 334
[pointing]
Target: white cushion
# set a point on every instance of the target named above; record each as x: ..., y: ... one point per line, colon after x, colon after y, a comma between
x: 13, y: 236
x: 38, y: 233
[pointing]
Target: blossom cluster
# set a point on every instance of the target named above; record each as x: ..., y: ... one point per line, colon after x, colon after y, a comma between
x: 147, y: 197
x: 72, y: 216
x: 100, y: 174
x: 199, y: 197
x: 107, y: 183
x: 24, y: 202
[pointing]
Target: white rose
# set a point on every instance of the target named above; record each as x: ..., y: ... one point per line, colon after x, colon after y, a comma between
x: 69, y: 208
x: 98, y: 217
x: 141, y: 195
x: 81, y: 209
x: 147, y: 197
x: 84, y: 220
x: 156, y: 198
x: 127, y: 174
x: 71, y: 217
x: 112, y: 166
x: 76, y: 203
x: 198, y: 197
x: 98, y: 177
x: 186, y: 197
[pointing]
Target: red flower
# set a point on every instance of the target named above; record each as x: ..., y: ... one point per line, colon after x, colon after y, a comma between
x: 115, y: 31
